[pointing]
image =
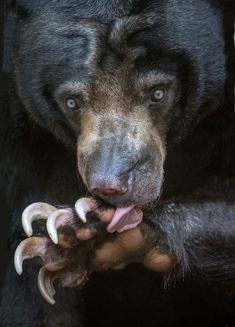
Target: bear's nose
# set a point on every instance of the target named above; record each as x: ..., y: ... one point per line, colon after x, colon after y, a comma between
x: 106, y: 186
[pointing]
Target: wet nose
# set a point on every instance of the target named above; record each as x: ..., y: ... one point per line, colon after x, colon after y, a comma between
x: 107, y: 186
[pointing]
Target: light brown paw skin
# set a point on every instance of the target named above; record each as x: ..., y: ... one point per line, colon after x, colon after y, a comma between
x: 137, y: 245
x: 158, y: 262
x: 64, y: 252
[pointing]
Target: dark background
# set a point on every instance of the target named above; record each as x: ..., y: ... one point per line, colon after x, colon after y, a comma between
x: 4, y: 221
x: 3, y: 208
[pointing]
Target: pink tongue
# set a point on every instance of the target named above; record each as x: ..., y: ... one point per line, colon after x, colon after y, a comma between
x: 125, y: 218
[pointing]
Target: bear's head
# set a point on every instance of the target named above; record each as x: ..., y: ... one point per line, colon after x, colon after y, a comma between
x: 121, y: 80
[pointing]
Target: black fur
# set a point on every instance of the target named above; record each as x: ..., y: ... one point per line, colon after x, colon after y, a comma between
x: 195, y: 214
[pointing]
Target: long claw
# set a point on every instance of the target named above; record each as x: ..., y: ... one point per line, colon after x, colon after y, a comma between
x: 67, y: 278
x: 56, y: 219
x: 45, y: 284
x: 82, y: 206
x: 35, y: 211
x: 29, y: 248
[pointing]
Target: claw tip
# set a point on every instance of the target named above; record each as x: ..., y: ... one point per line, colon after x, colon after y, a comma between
x: 43, y: 287
x: 18, y: 262
x: 54, y: 238
x: 80, y: 210
x: 51, y: 228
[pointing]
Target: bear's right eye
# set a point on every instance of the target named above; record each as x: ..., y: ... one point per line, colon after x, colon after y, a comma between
x: 158, y: 94
x: 72, y: 103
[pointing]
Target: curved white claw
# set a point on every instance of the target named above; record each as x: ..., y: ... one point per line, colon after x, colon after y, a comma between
x: 58, y: 217
x: 45, y: 285
x: 18, y: 257
x: 82, y: 206
x: 35, y: 211
x: 28, y: 248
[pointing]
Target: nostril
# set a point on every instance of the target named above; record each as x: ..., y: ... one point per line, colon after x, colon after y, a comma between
x: 102, y: 187
x: 109, y: 191
x: 112, y: 191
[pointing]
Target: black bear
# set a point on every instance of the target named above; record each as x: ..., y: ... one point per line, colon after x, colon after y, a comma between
x: 119, y: 107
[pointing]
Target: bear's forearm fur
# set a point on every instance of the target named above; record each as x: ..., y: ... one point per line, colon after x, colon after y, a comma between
x: 200, y: 237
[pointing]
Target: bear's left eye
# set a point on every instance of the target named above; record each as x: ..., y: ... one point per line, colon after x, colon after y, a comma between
x: 158, y: 94
x: 72, y: 103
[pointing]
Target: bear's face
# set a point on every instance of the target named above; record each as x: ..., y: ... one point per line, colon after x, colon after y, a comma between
x: 121, y: 88
x: 121, y: 143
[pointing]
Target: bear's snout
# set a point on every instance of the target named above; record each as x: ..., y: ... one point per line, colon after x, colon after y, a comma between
x: 121, y: 156
x: 120, y: 173
x: 110, y: 170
